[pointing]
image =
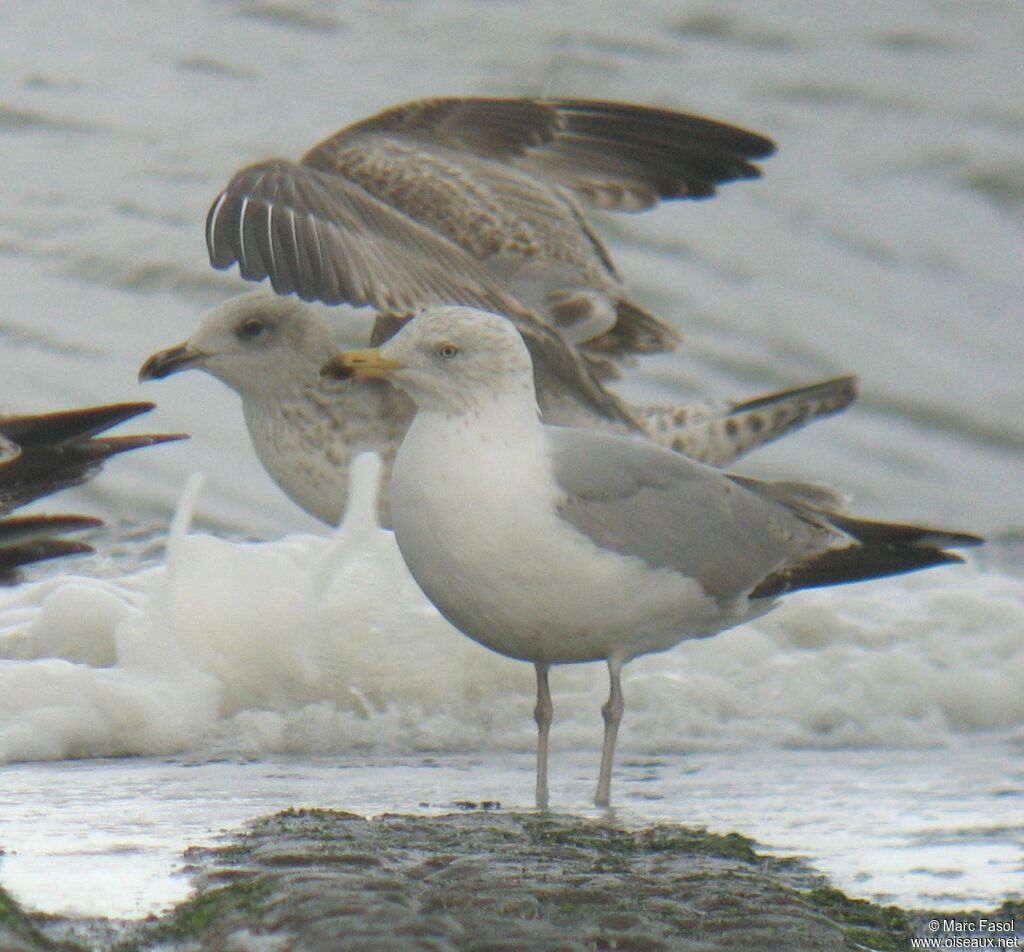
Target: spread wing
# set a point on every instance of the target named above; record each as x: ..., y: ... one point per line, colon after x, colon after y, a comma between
x: 611, y: 155
x: 316, y: 233
x: 324, y: 238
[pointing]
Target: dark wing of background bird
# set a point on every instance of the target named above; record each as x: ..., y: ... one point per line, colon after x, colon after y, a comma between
x: 55, y: 451
x: 287, y: 220
x: 326, y: 239
x: 353, y: 221
x: 610, y: 155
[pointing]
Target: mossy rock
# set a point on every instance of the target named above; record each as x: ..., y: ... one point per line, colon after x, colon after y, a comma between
x: 563, y: 831
x: 881, y: 928
x: 309, y: 878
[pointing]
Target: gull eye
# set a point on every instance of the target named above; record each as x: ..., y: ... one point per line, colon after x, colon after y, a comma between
x: 250, y: 329
x: 447, y: 351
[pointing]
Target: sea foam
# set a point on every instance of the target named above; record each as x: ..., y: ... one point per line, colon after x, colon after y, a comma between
x: 315, y: 644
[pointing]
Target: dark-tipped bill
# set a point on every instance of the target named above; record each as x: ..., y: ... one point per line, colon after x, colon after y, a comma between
x: 171, y: 361
x: 359, y: 363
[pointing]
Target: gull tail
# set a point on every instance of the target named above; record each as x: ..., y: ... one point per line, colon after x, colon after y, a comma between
x: 718, y: 433
x: 876, y: 550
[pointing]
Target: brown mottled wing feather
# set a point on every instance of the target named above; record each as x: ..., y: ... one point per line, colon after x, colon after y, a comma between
x: 616, y: 156
x: 491, y: 127
x: 324, y: 238
x: 568, y: 389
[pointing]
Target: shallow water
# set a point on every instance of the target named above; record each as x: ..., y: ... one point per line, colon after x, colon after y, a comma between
x: 886, y: 238
x: 937, y: 828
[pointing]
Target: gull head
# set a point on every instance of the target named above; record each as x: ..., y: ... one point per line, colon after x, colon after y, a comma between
x: 253, y: 342
x: 452, y: 359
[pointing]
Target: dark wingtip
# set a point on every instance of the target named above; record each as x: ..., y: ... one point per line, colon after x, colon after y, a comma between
x: 857, y: 563
x: 761, y: 147
x: 842, y: 390
x: 21, y: 529
x: 868, y: 532
x: 112, y: 445
x: 28, y: 539
x: 220, y: 252
x: 65, y: 425
x: 15, y: 557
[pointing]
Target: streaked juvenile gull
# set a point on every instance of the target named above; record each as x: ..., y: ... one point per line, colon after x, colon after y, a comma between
x: 41, y: 454
x: 558, y: 545
x: 477, y: 201
x: 306, y: 430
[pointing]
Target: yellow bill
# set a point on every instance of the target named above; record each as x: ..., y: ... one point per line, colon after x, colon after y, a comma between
x: 368, y: 363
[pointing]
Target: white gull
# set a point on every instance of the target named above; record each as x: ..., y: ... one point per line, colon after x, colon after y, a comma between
x: 559, y: 545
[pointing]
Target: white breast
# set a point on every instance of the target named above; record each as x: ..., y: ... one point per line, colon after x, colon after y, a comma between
x: 475, y: 519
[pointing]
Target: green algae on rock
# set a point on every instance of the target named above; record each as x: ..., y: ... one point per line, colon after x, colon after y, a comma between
x: 17, y: 931
x: 311, y: 879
